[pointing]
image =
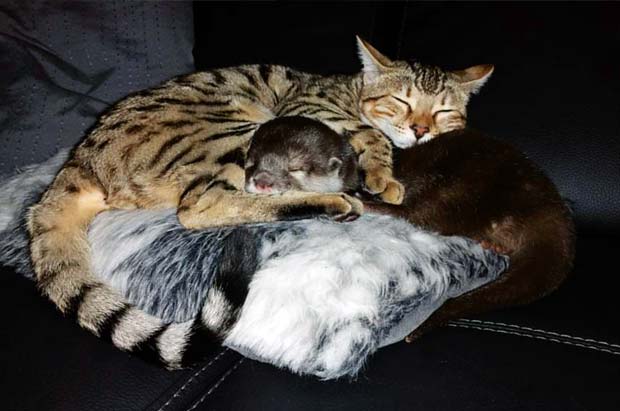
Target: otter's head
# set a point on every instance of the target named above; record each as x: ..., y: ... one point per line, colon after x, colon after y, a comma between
x: 297, y: 153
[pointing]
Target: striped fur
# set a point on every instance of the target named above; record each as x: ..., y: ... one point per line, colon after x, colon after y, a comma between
x: 170, y: 147
x: 352, y: 297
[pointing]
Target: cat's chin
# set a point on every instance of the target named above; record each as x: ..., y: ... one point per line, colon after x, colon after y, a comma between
x: 425, y: 138
x: 399, y: 140
x: 403, y: 142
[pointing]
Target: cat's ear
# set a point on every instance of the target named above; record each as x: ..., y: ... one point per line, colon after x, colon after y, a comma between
x: 472, y: 78
x: 334, y: 164
x: 373, y: 63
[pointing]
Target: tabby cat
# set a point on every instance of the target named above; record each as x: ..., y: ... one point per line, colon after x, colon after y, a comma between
x: 182, y: 144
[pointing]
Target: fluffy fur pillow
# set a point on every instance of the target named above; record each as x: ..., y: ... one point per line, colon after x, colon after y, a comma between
x: 322, y: 296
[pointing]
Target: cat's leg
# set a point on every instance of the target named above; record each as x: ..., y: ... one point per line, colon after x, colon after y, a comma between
x: 219, y: 201
x: 375, y: 158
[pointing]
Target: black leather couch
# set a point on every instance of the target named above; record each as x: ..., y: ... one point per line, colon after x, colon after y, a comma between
x: 554, y: 94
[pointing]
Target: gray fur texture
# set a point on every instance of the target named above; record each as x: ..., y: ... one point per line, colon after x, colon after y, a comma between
x: 313, y: 296
x: 17, y: 193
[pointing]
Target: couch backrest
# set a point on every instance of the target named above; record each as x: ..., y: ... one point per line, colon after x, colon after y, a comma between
x: 64, y: 62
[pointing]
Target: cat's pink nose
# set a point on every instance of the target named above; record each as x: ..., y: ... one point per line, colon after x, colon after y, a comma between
x: 419, y: 131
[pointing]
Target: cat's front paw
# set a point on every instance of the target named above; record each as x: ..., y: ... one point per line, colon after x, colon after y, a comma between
x: 394, y: 193
x: 386, y: 187
x: 346, y: 208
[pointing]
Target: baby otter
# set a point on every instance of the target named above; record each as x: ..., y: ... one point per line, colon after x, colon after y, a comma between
x: 298, y: 153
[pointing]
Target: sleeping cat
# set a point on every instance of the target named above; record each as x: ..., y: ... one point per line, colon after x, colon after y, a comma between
x: 182, y: 145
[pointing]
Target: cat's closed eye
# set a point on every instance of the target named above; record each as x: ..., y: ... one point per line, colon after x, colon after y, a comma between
x: 446, y: 112
x: 384, y: 110
x: 400, y: 100
x: 389, y: 107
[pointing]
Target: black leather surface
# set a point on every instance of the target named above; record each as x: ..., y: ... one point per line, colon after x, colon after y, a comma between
x: 450, y: 370
x: 554, y: 95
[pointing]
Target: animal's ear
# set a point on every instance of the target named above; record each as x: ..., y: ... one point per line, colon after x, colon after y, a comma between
x: 472, y: 78
x: 334, y: 165
x: 373, y: 63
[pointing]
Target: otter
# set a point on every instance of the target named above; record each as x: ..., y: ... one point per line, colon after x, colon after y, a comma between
x: 468, y: 184
x: 298, y: 153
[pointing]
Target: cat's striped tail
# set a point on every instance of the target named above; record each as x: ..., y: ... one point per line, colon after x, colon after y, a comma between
x: 60, y: 254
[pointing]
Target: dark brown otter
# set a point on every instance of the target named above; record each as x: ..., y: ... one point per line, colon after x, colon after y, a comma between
x: 464, y: 183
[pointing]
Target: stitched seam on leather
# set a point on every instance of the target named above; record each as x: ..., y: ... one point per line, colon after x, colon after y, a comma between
x: 192, y: 378
x: 217, y: 384
x: 537, y: 330
x: 538, y: 337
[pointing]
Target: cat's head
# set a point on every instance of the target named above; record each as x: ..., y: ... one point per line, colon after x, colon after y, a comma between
x: 412, y: 103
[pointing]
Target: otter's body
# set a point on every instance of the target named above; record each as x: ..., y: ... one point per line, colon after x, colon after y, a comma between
x: 464, y: 183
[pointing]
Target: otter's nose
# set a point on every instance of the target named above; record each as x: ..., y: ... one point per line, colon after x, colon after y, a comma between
x: 263, y: 182
x: 419, y: 131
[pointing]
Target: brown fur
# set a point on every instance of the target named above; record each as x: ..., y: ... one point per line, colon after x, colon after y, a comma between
x: 470, y: 185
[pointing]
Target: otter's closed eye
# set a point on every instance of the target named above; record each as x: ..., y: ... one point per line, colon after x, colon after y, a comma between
x: 297, y: 163
x: 297, y: 174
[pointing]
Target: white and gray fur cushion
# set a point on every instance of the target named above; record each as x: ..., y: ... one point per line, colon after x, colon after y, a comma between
x: 314, y: 296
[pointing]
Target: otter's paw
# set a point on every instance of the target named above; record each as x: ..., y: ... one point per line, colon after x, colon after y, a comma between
x: 487, y: 245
